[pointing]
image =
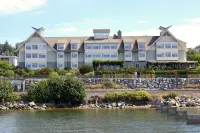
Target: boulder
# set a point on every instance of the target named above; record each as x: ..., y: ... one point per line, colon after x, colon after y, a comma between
x: 3, y: 107
x: 113, y: 104
x: 31, y: 104
x: 102, y: 105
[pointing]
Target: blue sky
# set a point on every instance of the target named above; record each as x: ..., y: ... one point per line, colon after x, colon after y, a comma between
x: 79, y: 17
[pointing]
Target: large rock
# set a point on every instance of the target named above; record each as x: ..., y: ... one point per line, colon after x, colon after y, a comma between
x: 113, y: 104
x: 31, y: 104
x: 3, y: 107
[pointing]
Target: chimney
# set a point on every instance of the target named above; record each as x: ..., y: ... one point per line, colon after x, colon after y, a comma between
x: 119, y: 33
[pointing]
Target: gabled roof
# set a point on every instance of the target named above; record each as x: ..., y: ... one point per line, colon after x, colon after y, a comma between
x: 30, y: 37
x: 167, y: 31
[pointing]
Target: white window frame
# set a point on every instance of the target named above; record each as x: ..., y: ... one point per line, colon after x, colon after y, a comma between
x: 174, y: 53
x: 59, y: 55
x: 28, y: 54
x: 42, y: 54
x: 96, y: 46
x: 168, y: 45
x: 143, y: 46
x: 60, y: 47
x: 74, y: 44
x: 72, y: 55
x: 88, y: 55
x: 88, y: 46
x: 28, y: 46
x: 96, y: 55
x: 113, y: 46
x: 28, y: 65
x: 113, y: 55
x: 127, y: 46
x: 60, y: 65
x: 34, y: 66
x: 103, y: 55
x: 174, y: 44
x: 74, y: 63
x: 42, y: 47
x: 160, y: 45
x: 34, y: 47
x: 161, y: 53
x: 41, y: 65
x: 105, y: 46
x: 142, y: 54
x: 167, y: 54
x: 33, y: 55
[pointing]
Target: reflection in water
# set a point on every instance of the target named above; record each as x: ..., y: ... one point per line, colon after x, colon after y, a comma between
x: 90, y: 121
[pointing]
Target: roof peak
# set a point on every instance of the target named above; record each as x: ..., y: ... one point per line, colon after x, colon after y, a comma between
x: 164, y: 28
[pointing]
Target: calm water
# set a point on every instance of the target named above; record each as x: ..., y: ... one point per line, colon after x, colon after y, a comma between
x: 93, y: 121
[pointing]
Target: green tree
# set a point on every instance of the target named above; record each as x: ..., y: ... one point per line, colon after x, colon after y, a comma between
x: 40, y: 92
x: 9, y: 74
x: 6, y: 91
x: 4, y: 65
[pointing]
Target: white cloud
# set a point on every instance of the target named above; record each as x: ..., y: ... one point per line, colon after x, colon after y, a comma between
x: 13, y: 6
x: 70, y: 29
x: 142, y: 22
x: 189, y: 33
x: 195, y: 20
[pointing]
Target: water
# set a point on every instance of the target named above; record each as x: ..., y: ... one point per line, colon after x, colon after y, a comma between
x: 93, y: 121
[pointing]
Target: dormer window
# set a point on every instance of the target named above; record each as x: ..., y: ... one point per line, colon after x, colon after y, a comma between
x: 60, y: 47
x: 127, y: 46
x: 141, y: 46
x: 74, y: 46
x: 101, y: 33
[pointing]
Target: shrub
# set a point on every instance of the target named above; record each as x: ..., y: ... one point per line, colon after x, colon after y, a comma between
x: 4, y: 65
x: 85, y: 69
x: 9, y: 74
x: 108, y: 84
x: 6, y: 91
x: 40, y: 92
x: 170, y: 95
x: 58, y: 89
x: 172, y: 72
x: 138, y: 97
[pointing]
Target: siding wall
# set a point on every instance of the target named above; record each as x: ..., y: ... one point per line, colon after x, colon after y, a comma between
x: 135, y: 55
x: 151, y: 55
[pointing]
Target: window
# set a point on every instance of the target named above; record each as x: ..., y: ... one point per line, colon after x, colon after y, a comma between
x: 28, y: 55
x: 35, y: 47
x: 96, y: 46
x: 97, y: 55
x: 60, y: 55
x: 174, y: 45
x: 74, y: 65
x: 142, y: 54
x: 28, y: 47
x: 42, y: 55
x: 167, y: 45
x: 34, y: 55
x: 34, y: 65
x: 160, y: 45
x: 42, y: 65
x: 60, y: 47
x: 106, y: 46
x: 88, y: 46
x: 168, y: 54
x: 74, y: 55
x: 113, y: 46
x: 74, y: 46
x: 106, y: 55
x: 141, y: 46
x: 128, y: 54
x: 161, y: 54
x: 42, y: 47
x: 60, y: 65
x: 127, y: 46
x: 28, y: 65
x: 174, y: 54
x: 113, y: 55
x: 88, y: 55
x: 89, y: 63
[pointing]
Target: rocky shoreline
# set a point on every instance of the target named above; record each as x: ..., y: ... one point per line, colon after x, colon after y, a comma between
x: 181, y: 101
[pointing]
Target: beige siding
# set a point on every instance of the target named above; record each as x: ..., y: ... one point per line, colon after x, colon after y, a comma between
x: 167, y: 39
x: 35, y: 40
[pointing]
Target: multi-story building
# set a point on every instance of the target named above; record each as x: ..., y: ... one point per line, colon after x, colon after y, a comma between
x: 38, y: 51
